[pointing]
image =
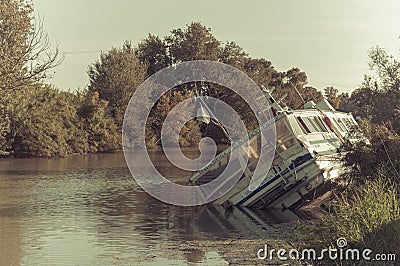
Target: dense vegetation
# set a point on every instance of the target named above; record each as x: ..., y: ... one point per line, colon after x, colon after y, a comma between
x: 366, y: 207
x: 37, y: 119
x: 368, y: 218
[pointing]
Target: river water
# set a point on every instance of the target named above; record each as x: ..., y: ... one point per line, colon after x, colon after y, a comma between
x: 88, y: 210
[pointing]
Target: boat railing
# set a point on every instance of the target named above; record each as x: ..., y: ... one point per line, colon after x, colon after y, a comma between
x: 228, y: 151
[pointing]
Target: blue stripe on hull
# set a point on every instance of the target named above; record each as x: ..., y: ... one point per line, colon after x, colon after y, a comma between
x: 297, y: 162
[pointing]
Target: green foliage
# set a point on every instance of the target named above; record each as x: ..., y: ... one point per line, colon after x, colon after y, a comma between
x: 196, y: 42
x: 35, y: 120
x: 41, y: 121
x: 4, y: 130
x: 387, y: 69
x: 15, y: 28
x: 190, y: 134
x: 99, y: 127
x: 193, y: 43
x: 293, y: 81
x: 90, y: 121
x: 234, y: 55
x: 367, y: 210
x: 378, y: 98
x: 378, y: 157
x: 360, y: 215
x: 369, y: 217
x: 25, y: 55
x: 153, y: 52
x: 332, y: 95
x: 115, y: 77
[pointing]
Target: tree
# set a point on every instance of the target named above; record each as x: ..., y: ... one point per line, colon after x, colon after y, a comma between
x: 193, y: 43
x: 25, y: 55
x: 99, y: 127
x: 234, y: 55
x: 291, y: 85
x: 262, y: 72
x: 387, y: 69
x: 377, y: 102
x: 111, y: 77
x: 378, y: 158
x: 190, y: 134
x: 346, y: 104
x: 332, y: 95
x: 378, y: 99
x: 364, y: 101
x: 4, y: 131
x: 153, y: 53
x: 115, y: 77
x: 43, y: 123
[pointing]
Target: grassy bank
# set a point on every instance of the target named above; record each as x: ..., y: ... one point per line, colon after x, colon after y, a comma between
x: 367, y: 217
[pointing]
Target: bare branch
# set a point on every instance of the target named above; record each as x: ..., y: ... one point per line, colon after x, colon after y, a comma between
x: 26, y: 55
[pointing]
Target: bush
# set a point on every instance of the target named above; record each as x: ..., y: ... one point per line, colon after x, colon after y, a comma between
x: 98, y: 126
x: 369, y: 217
x: 4, y: 131
x: 41, y: 121
x: 373, y: 159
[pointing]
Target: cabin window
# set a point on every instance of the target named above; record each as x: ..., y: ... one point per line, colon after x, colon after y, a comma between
x: 320, y: 124
x: 283, y: 146
x: 349, y: 123
x: 284, y: 137
x: 254, y: 152
x: 309, y: 124
x: 340, y: 124
x: 312, y: 124
x: 303, y: 125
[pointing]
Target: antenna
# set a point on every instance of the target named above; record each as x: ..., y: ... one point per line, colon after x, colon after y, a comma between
x: 298, y: 93
x: 281, y: 100
x: 272, y: 102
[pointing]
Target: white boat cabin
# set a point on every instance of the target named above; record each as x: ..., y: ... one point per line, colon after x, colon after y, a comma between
x: 306, y: 154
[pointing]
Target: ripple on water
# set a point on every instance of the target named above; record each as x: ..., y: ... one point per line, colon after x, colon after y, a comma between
x: 88, y: 210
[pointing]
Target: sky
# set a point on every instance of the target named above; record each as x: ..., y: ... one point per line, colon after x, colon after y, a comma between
x: 329, y: 40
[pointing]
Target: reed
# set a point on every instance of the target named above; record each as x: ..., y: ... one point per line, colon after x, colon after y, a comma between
x: 368, y: 217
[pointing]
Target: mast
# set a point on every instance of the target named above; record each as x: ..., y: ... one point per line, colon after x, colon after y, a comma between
x: 274, y: 104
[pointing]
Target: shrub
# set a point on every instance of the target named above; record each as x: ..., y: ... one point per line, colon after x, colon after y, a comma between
x: 369, y: 217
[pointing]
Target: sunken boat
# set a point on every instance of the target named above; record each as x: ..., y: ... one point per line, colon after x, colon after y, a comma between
x: 307, y: 153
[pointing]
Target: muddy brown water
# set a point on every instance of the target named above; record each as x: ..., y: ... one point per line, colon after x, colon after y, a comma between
x: 88, y: 210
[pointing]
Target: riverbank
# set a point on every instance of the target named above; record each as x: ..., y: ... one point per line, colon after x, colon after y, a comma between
x: 93, y: 202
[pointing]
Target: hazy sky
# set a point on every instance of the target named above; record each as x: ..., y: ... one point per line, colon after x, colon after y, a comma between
x: 329, y: 40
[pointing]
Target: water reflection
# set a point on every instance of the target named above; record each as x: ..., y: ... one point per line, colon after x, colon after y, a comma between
x: 88, y: 210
